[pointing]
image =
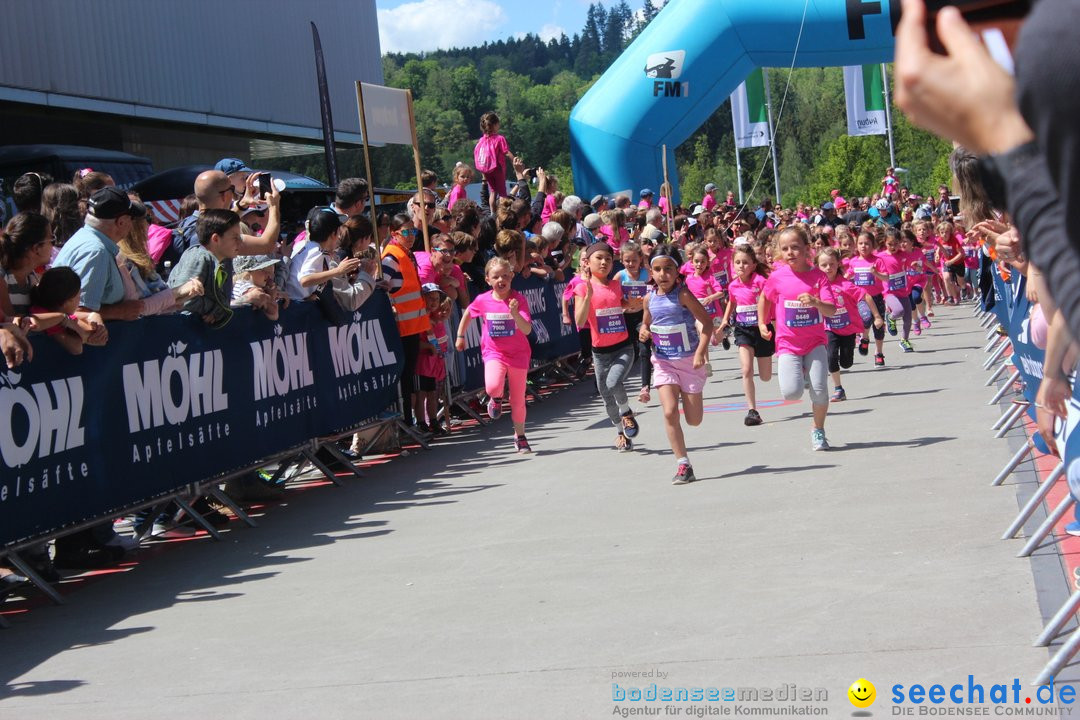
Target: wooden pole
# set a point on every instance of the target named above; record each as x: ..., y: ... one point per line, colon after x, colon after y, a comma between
x: 419, y: 183
x: 370, y: 181
x: 667, y: 186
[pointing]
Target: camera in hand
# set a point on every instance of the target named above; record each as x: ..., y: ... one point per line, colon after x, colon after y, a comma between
x: 1004, y: 15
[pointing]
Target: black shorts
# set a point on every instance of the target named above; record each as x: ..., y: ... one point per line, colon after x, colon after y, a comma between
x: 750, y: 336
x: 425, y: 383
x: 957, y: 271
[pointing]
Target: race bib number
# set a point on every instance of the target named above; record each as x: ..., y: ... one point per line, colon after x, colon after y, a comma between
x: 610, y: 321
x: 971, y: 252
x: 632, y: 289
x: 671, y: 340
x: 929, y: 255
x: 500, y: 324
x: 722, y: 278
x: 746, y: 315
x: 839, y: 320
x: 897, y: 281
x: 915, y: 270
x: 864, y: 276
x: 797, y: 314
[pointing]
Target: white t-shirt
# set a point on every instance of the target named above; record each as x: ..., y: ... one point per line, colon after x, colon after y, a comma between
x: 308, y: 259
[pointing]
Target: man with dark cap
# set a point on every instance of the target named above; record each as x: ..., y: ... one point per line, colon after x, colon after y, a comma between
x: 91, y: 252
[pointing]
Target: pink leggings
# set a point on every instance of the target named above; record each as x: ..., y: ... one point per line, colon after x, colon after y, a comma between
x: 495, y: 374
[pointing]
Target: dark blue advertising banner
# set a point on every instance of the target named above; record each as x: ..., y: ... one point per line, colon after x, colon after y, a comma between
x: 1014, y: 310
x: 168, y: 402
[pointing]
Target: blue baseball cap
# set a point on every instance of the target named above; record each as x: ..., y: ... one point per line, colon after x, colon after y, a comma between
x: 645, y: 192
x: 231, y: 165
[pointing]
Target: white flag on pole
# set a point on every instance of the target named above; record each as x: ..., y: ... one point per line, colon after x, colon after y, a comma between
x: 749, y: 113
x: 386, y: 112
x: 865, y: 99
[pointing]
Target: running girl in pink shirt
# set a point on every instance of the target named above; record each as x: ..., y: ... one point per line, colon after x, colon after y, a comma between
x: 897, y: 289
x: 926, y: 243
x: 865, y: 270
x: 847, y: 322
x: 916, y: 270
x: 672, y: 316
x: 504, y: 343
x: 796, y: 297
x: 634, y: 279
x: 742, y: 310
x: 599, y: 303
x: 704, y: 286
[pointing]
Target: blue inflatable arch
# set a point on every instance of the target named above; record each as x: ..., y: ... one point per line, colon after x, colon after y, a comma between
x: 687, y: 62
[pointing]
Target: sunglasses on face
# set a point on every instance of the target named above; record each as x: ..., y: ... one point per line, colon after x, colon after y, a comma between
x: 411, y: 232
x: 428, y: 205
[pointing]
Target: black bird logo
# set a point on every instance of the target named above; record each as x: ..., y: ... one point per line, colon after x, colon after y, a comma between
x: 663, y: 70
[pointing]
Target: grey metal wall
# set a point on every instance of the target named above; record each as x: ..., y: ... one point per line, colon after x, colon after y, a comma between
x: 241, y: 64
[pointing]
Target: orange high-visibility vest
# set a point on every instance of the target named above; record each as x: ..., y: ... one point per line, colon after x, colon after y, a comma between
x: 408, y: 302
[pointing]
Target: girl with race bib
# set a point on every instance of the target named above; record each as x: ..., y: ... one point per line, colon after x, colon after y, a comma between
x: 917, y: 284
x: 865, y: 271
x: 927, y: 245
x: 847, y: 322
x: 634, y: 279
x: 680, y: 352
x: 897, y: 287
x: 703, y: 284
x: 796, y: 297
x: 742, y: 310
x: 600, y: 304
x: 504, y: 343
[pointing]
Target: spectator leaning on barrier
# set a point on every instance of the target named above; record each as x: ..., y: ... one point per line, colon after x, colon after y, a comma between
x: 25, y: 245
x: 141, y: 279
x: 399, y: 268
x: 91, y: 253
x: 254, y: 284
x: 210, y: 261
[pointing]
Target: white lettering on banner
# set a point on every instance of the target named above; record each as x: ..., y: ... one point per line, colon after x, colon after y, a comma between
x: 359, y: 346
x: 540, y: 332
x: 281, y: 365
x: 537, y: 301
x: 174, y: 389
x: 473, y: 335
x: 50, y: 413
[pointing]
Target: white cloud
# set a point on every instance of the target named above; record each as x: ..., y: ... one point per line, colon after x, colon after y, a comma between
x: 551, y: 31
x: 438, y: 24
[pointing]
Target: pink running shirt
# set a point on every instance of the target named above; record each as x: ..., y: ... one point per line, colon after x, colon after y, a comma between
x: 799, y: 328
x: 501, y: 340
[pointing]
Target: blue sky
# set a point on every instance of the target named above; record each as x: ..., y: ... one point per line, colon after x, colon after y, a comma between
x: 420, y: 25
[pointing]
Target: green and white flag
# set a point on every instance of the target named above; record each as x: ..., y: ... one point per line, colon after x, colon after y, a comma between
x: 864, y: 89
x: 749, y: 114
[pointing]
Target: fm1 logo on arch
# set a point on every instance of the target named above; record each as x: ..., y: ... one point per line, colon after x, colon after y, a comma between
x: 664, y: 68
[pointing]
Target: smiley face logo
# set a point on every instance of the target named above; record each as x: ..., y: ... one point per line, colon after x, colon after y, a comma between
x: 862, y: 693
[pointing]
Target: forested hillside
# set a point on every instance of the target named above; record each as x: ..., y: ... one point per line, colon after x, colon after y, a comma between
x: 534, y: 84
